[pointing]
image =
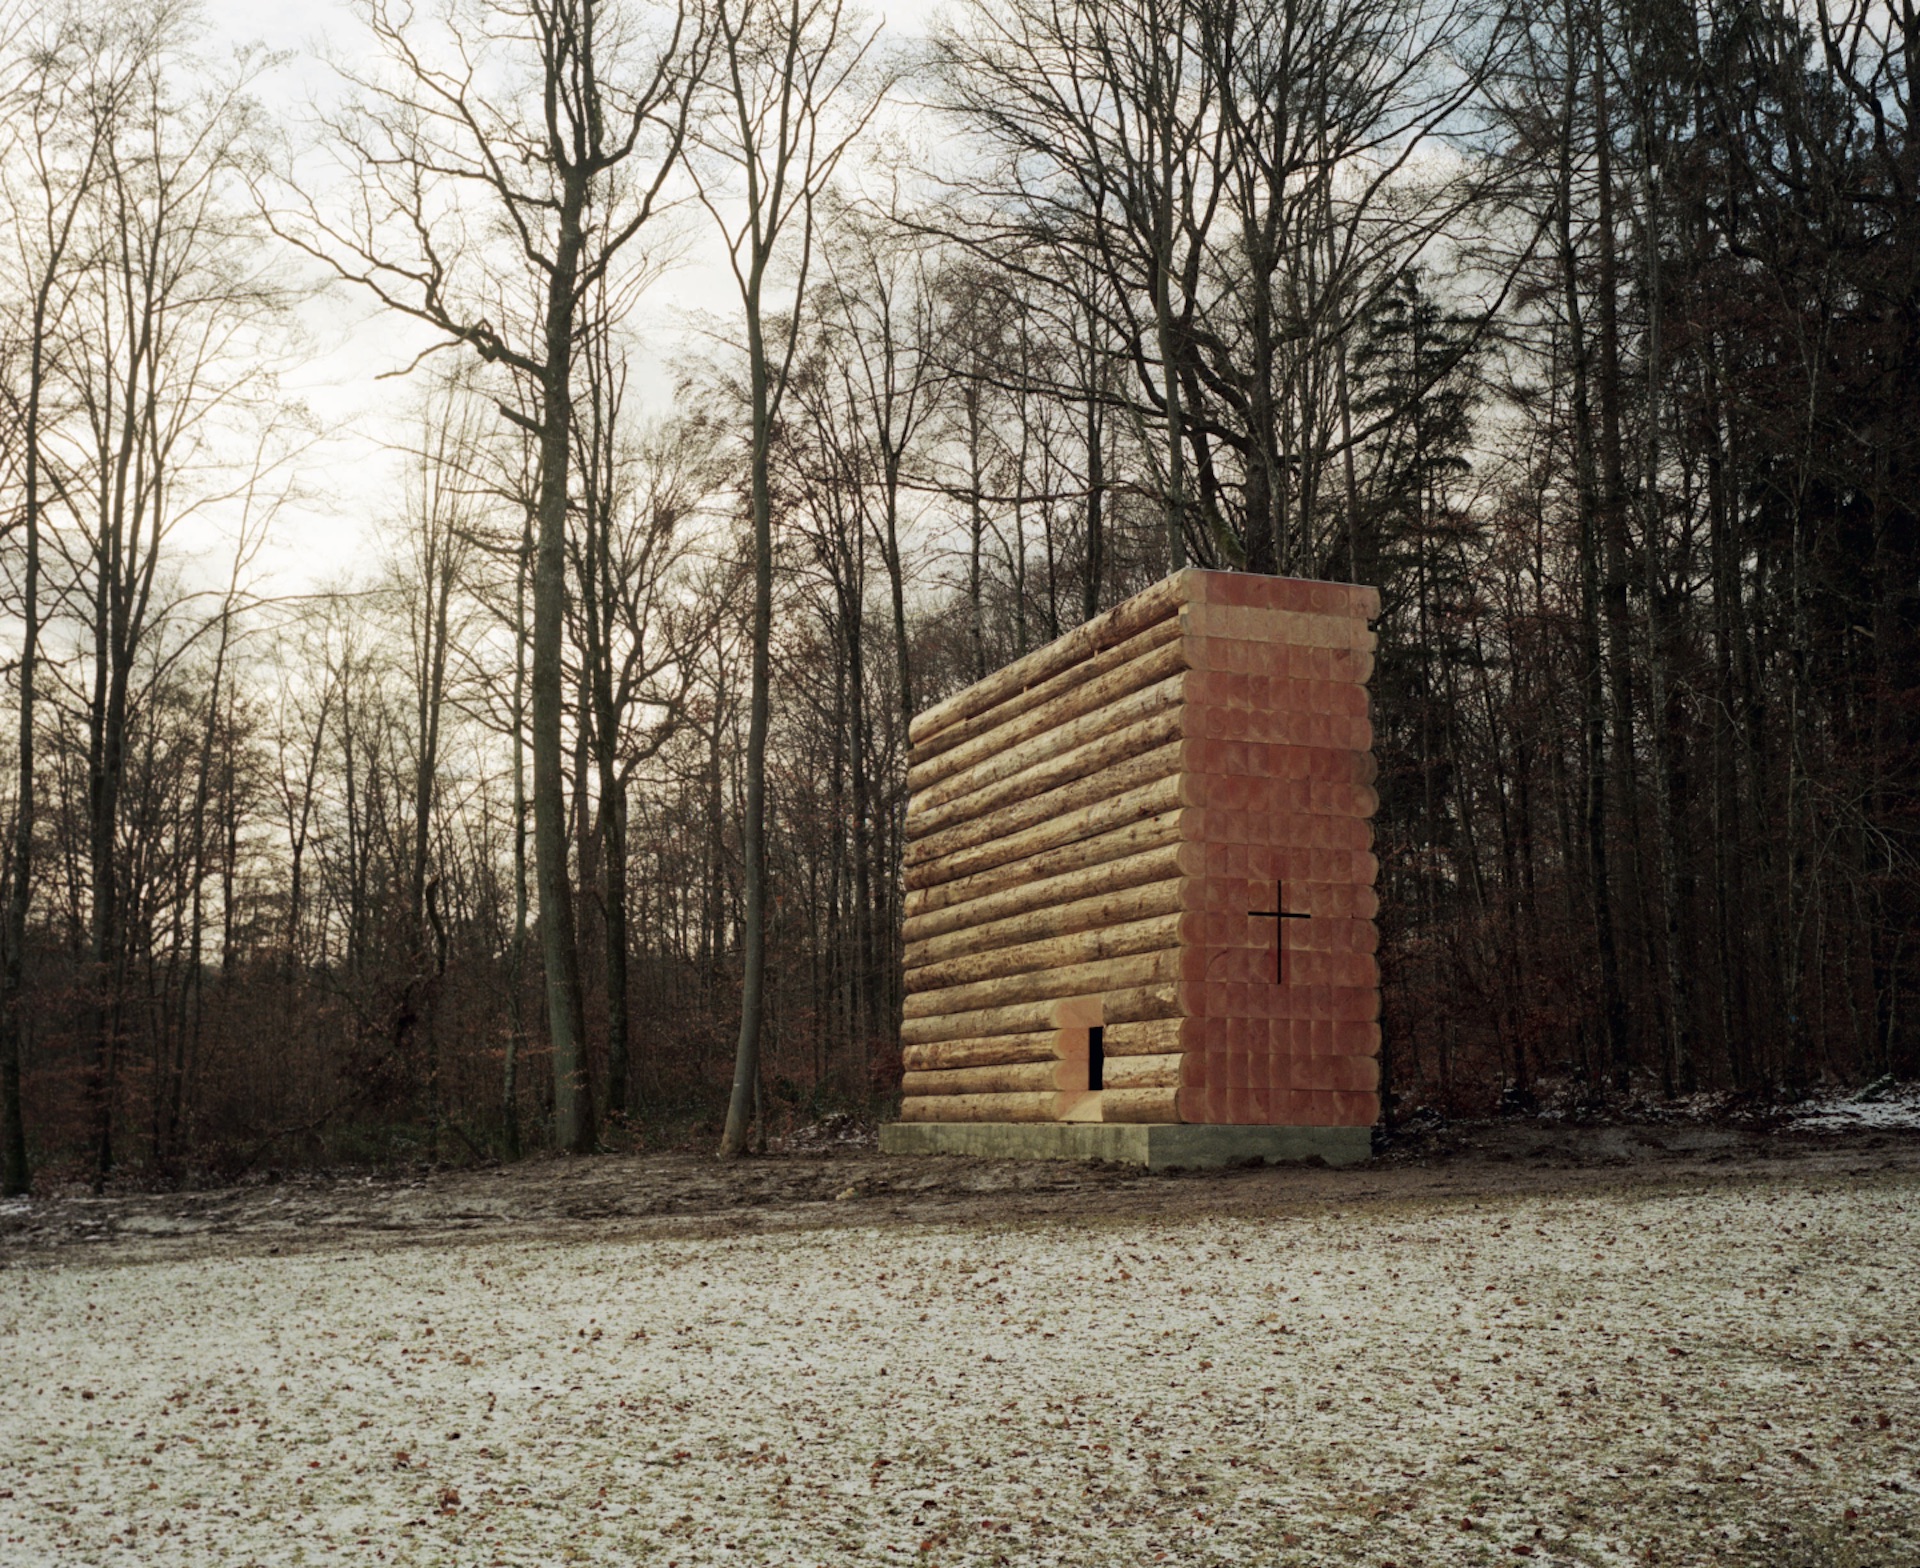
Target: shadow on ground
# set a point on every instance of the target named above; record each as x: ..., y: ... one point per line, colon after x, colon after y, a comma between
x: 847, y: 1182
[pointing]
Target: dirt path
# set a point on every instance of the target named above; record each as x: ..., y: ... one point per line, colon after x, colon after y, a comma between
x: 850, y: 1184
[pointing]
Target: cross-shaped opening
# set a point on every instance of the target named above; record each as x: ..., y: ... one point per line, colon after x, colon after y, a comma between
x: 1278, y: 913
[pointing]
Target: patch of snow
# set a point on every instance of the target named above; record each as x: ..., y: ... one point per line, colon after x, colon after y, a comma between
x: 837, y: 1130
x: 1730, y: 1374
x: 1896, y: 1110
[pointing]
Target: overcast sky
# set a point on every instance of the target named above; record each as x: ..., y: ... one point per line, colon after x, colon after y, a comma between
x: 352, y: 477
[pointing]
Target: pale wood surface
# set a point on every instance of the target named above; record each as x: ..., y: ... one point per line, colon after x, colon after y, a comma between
x: 1145, y: 1037
x: 1002, y: 1050
x: 1147, y: 719
x: 1293, y: 627
x: 1042, y: 1107
x: 1124, y: 620
x: 992, y: 959
x: 1165, y: 830
x: 1107, y: 906
x: 1013, y: 1078
x: 1167, y: 657
x: 1021, y: 1018
x: 1093, y: 770
x: 1135, y: 1105
x: 1100, y: 975
x: 1056, y: 827
x: 1138, y: 1002
x: 1143, y: 1072
x: 1111, y: 658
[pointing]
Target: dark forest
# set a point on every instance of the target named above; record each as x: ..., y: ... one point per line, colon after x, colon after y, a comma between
x: 573, y: 798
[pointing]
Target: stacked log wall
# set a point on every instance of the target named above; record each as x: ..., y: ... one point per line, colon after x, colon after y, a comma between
x: 1047, y: 852
x: 1087, y: 828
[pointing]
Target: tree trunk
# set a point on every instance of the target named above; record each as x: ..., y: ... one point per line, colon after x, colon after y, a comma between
x: 1613, y: 1005
x: 573, y: 1128
x: 517, y: 951
x: 753, y: 932
x: 1613, y: 529
x: 976, y: 534
x: 613, y: 871
x: 1094, y: 566
x: 896, y: 585
x: 16, y: 1172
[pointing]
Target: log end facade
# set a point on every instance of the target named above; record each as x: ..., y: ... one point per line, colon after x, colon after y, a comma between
x: 1140, y: 870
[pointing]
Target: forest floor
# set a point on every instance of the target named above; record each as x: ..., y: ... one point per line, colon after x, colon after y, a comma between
x: 1643, y: 1342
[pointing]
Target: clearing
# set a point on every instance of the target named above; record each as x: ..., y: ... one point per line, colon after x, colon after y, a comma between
x: 1587, y: 1346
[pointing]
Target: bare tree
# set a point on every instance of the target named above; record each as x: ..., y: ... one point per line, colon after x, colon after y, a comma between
x: 636, y: 497
x: 433, y: 553
x: 1104, y: 120
x: 787, y: 107
x: 561, y: 122
x: 882, y: 315
x: 168, y: 346
x: 60, y: 105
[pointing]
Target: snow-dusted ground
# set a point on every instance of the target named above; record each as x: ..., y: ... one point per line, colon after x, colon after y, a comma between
x: 1672, y: 1376
x: 1897, y: 1111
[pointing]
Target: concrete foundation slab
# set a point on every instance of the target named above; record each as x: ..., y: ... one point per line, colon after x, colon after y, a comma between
x: 1158, y: 1146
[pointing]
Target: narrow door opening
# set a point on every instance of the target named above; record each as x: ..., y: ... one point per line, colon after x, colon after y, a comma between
x: 1096, y: 1057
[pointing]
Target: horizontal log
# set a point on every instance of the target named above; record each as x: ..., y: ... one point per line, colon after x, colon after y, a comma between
x: 1055, y: 725
x: 1099, y: 976
x: 1053, y: 823
x: 1142, y: 1072
x: 1278, y: 829
x: 1136, y: 1003
x: 1144, y: 1037
x: 1014, y: 1078
x: 1340, y: 624
x: 1282, y: 728
x: 988, y: 1022
x: 1064, y: 684
x: 1140, y: 1105
x: 1097, y: 766
x: 1242, y: 656
x: 1239, y: 807
x: 1001, y: 730
x: 1292, y: 627
x: 995, y: 961
x: 1107, y: 907
x: 1280, y: 1107
x: 1003, y: 1050
x: 1047, y: 899
x: 1273, y: 759
x: 1124, y: 620
x: 1147, y: 719
x: 987, y: 1107
x: 1131, y: 853
x: 1229, y: 776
